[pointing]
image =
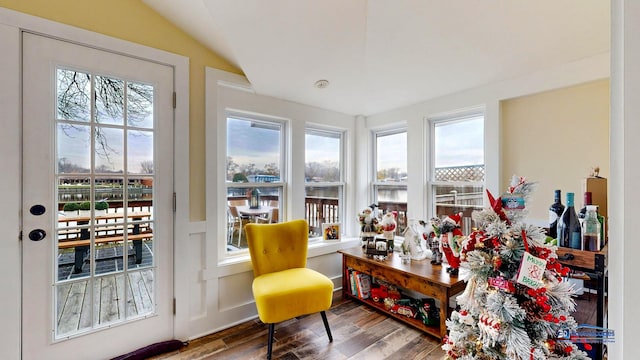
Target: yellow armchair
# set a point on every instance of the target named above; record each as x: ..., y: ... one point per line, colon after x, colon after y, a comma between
x: 283, y: 287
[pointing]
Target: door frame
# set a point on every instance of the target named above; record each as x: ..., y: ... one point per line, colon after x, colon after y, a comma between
x: 12, y: 24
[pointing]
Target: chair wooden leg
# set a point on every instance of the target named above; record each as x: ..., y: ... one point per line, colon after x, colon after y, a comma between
x: 270, y: 343
x: 326, y: 325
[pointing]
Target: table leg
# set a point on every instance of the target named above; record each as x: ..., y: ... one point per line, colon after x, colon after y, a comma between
x: 80, y: 251
x: 137, y: 244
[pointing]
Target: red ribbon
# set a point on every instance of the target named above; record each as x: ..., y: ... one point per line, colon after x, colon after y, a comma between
x: 524, y: 239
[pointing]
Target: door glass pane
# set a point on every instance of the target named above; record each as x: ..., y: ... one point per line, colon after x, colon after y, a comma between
x: 72, y: 96
x: 105, y: 220
x: 140, y: 105
x: 72, y: 308
x: 73, y: 231
x: 74, y: 148
x: 109, y: 100
x: 140, y: 152
x: 140, y: 291
x: 109, y: 293
x: 109, y: 150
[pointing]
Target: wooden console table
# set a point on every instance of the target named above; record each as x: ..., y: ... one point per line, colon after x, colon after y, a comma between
x: 593, y: 264
x: 420, y: 276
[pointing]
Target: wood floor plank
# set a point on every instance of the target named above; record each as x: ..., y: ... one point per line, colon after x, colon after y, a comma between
x: 148, y: 278
x: 86, y: 315
x: 70, y: 317
x: 62, y: 293
x: 109, y: 309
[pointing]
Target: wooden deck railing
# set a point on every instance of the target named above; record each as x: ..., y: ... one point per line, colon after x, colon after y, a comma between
x: 320, y: 210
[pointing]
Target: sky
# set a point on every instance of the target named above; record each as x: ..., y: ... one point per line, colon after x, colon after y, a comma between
x: 457, y: 143
x: 74, y: 144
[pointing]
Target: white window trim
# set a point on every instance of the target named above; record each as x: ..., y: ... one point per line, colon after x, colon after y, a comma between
x: 282, y: 184
x: 451, y: 117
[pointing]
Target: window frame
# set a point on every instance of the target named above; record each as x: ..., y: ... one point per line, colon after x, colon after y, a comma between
x: 281, y: 185
x: 318, y: 130
x: 431, y: 182
x: 375, y: 184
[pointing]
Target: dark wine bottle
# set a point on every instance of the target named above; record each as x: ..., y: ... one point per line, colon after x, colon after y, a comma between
x: 569, y: 230
x: 555, y: 211
x: 587, y: 202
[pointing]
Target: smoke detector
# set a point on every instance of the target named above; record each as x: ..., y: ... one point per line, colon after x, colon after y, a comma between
x: 321, y: 84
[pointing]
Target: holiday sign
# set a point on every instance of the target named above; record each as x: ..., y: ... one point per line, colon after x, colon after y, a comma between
x: 531, y: 271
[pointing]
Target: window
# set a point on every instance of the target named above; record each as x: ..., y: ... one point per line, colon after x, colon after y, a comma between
x: 457, y: 171
x: 323, y: 172
x: 254, y: 175
x: 390, y: 182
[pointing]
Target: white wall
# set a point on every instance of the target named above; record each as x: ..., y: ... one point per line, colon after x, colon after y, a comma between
x: 219, y: 291
x: 489, y: 97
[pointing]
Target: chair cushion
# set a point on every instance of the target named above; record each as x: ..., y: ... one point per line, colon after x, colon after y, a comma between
x: 289, y: 293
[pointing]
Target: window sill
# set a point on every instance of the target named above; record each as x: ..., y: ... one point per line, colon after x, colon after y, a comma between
x: 242, y: 263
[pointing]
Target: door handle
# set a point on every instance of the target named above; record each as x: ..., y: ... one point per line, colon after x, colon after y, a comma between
x: 37, y: 234
x: 37, y: 210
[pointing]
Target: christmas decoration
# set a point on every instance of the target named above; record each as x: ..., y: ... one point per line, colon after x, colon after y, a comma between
x: 450, y: 237
x: 412, y: 243
x: 516, y: 302
x: 432, y: 236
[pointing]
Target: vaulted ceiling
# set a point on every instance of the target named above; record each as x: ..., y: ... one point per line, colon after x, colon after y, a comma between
x: 381, y: 54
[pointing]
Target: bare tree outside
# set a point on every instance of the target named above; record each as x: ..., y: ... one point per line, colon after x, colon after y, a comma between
x: 146, y: 167
x: 74, y: 95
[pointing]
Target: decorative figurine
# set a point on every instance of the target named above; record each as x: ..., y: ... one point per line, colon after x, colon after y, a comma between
x: 450, y: 235
x: 432, y: 236
x: 412, y: 243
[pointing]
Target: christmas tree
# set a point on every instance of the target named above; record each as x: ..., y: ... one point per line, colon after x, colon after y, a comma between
x: 516, y: 304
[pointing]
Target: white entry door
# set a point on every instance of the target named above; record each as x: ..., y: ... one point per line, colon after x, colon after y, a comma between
x: 97, y: 201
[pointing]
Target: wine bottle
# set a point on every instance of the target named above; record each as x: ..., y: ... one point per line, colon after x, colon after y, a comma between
x: 555, y: 211
x: 569, y: 232
x: 587, y: 202
x: 591, y: 230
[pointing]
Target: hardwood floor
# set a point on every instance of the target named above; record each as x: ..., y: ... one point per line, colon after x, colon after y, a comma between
x: 359, y: 332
